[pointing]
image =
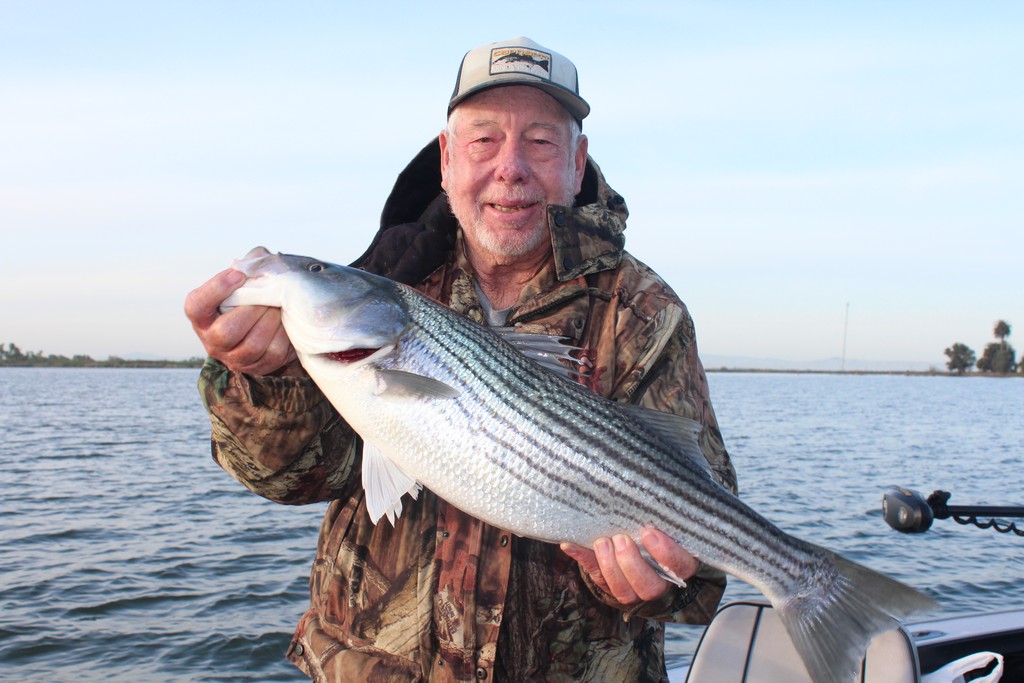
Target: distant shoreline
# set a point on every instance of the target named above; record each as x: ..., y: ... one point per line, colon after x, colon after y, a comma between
x: 112, y: 363
x: 915, y: 373
x: 197, y: 363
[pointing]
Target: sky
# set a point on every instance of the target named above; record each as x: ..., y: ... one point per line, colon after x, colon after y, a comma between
x: 812, y: 178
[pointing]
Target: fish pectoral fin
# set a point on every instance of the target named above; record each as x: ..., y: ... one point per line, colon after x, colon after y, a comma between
x: 409, y: 386
x: 676, y: 430
x: 384, y: 485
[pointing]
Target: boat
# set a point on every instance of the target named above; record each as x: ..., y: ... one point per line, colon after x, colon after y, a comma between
x: 746, y: 642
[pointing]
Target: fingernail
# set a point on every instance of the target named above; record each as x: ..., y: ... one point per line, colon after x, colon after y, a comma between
x: 620, y: 541
x: 602, y: 545
x: 653, y: 538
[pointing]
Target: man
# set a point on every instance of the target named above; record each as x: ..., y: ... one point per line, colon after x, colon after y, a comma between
x: 507, y: 220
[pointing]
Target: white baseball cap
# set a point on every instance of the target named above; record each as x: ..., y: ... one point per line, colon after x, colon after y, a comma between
x: 520, y: 61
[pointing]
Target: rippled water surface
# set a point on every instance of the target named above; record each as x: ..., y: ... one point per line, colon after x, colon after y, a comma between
x: 126, y: 554
x: 815, y: 453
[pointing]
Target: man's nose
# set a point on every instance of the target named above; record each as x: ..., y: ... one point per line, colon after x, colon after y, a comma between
x: 512, y: 166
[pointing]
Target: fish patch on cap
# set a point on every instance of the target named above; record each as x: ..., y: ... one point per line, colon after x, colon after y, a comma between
x: 522, y: 60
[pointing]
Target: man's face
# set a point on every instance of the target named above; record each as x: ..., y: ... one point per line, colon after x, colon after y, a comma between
x: 508, y: 155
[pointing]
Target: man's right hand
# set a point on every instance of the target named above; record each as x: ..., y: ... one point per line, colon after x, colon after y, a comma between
x: 247, y: 339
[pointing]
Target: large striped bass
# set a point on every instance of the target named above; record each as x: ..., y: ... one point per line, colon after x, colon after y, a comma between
x: 443, y: 402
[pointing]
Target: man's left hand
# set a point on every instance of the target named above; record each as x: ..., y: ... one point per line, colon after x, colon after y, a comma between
x: 617, y: 567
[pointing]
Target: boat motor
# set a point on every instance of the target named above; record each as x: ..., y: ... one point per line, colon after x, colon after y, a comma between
x: 908, y: 511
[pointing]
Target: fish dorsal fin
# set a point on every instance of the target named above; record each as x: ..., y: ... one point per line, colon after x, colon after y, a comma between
x: 676, y: 430
x: 402, y: 385
x: 545, y: 349
x: 384, y: 485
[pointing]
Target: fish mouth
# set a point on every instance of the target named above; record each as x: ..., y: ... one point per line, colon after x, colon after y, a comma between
x: 351, y: 355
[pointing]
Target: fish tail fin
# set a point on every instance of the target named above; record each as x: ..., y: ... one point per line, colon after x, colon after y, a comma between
x: 840, y: 607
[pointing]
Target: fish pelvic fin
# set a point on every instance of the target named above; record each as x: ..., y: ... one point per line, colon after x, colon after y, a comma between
x: 839, y: 608
x: 384, y: 485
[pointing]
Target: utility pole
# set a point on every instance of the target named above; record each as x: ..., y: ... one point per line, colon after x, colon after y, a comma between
x: 846, y: 325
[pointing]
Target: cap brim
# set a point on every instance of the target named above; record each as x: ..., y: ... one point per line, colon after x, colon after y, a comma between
x: 574, y: 104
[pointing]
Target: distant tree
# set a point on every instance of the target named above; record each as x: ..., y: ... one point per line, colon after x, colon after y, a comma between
x: 12, y: 356
x: 961, y: 358
x: 998, y: 357
x: 13, y: 352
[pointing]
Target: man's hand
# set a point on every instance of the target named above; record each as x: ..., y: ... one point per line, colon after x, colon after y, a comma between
x: 617, y: 567
x: 247, y: 339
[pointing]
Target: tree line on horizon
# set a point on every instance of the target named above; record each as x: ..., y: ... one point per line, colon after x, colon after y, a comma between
x: 998, y: 358
x: 12, y: 356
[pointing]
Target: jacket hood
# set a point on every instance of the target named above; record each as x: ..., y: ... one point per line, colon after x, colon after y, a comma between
x: 418, y: 230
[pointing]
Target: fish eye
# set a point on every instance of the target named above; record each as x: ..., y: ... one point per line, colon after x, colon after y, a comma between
x: 315, y: 267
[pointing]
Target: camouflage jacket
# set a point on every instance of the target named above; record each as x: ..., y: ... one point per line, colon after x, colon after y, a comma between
x: 442, y: 596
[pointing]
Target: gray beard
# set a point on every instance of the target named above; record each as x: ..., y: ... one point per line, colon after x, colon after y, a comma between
x: 510, y: 246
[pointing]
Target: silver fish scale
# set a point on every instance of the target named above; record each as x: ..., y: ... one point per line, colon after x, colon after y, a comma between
x: 544, y: 457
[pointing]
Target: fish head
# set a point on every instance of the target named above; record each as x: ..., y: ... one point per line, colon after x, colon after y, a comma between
x: 325, y: 308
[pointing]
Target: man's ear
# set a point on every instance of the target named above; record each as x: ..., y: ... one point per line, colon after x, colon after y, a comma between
x: 580, y: 161
x: 442, y: 140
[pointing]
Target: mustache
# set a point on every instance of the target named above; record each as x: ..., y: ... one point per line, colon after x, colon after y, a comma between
x: 515, y: 196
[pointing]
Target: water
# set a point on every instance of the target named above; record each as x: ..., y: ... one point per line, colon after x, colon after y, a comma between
x: 126, y: 554
x: 815, y: 453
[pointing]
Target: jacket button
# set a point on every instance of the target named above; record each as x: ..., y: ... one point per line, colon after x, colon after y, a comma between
x: 568, y: 263
x: 298, y: 650
x: 504, y: 541
x: 560, y: 220
x: 481, y: 673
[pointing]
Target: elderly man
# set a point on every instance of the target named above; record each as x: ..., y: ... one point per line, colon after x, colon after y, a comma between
x: 507, y: 220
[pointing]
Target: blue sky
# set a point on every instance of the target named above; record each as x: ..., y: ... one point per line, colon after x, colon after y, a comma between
x: 780, y: 160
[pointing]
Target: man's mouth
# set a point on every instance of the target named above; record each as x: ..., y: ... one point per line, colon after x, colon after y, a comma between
x: 510, y: 208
